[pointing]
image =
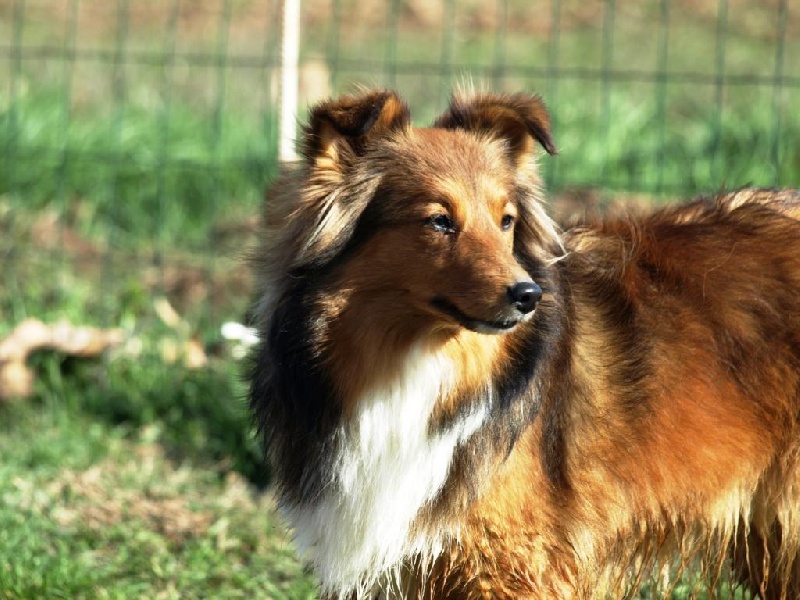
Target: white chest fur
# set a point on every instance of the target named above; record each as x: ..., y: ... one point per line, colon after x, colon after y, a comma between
x: 388, y: 467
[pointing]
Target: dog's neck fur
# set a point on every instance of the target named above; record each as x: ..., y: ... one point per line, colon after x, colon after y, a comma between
x: 423, y: 418
x: 385, y: 470
x: 389, y: 459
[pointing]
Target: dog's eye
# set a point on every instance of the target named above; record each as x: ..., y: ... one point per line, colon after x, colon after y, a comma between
x: 507, y: 222
x: 442, y: 224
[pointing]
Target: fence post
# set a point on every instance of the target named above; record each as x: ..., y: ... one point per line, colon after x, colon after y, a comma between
x: 290, y: 56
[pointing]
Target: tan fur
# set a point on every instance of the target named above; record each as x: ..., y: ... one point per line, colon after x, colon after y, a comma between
x: 645, y: 420
x: 712, y: 467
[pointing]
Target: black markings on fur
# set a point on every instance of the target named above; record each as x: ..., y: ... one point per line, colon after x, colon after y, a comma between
x: 515, y: 399
x: 615, y: 303
x: 557, y: 389
x: 292, y: 398
x: 528, y: 387
x: 367, y: 224
x: 632, y: 368
x: 555, y: 385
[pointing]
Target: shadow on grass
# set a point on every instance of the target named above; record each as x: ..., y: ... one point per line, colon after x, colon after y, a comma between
x: 198, y: 415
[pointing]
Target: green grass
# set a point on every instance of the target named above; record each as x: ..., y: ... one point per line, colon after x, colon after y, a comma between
x: 93, y: 510
x: 88, y: 419
x: 695, y: 151
x: 99, y: 501
x: 138, y: 178
x: 131, y: 476
x: 199, y: 414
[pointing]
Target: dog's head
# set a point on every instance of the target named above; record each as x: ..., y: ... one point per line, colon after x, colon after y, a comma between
x: 441, y: 225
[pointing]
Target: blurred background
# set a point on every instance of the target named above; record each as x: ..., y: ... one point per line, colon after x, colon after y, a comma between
x: 137, y: 140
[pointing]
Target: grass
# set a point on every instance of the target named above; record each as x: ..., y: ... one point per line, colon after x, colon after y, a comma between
x: 132, y: 475
x: 155, y: 178
x: 93, y: 510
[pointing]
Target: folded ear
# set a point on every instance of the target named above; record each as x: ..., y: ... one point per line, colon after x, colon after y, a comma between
x: 519, y: 119
x: 342, y: 127
x: 316, y: 211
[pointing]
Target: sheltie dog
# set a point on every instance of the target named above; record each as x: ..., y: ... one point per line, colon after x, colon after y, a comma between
x: 460, y: 400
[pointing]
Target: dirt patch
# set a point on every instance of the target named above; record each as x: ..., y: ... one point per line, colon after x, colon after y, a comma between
x: 187, y: 279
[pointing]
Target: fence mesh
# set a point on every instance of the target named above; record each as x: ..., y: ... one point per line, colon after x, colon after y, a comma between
x: 138, y: 136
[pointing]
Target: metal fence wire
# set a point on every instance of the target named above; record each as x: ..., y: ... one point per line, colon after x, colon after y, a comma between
x: 138, y: 136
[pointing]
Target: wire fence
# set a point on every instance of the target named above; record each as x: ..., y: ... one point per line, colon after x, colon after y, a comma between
x: 138, y: 136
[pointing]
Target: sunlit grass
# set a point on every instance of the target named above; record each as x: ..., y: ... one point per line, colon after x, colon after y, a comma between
x: 93, y: 510
x: 114, y: 193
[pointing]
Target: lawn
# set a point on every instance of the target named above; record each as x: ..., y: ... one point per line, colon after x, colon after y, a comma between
x: 136, y: 152
x: 89, y: 509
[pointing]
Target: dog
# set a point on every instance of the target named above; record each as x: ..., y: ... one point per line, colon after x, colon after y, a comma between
x: 461, y: 400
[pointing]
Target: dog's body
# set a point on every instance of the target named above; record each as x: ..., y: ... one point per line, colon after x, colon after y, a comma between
x: 639, y: 401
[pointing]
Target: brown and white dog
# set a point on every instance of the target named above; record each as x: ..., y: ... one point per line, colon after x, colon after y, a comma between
x: 460, y: 401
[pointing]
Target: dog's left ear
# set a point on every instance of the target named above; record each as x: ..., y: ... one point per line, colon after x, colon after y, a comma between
x: 519, y: 119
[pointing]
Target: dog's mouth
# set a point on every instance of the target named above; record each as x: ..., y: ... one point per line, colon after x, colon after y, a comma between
x: 477, y: 325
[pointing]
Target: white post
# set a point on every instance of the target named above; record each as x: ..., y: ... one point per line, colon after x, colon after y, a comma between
x: 290, y: 57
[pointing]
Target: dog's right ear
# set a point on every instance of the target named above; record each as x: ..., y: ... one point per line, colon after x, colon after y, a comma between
x: 340, y: 129
x: 518, y: 119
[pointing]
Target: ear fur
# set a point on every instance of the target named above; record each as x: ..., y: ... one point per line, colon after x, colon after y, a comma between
x: 313, y: 209
x: 342, y: 127
x: 516, y: 118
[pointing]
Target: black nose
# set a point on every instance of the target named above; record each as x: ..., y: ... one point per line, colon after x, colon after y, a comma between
x: 525, y: 295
